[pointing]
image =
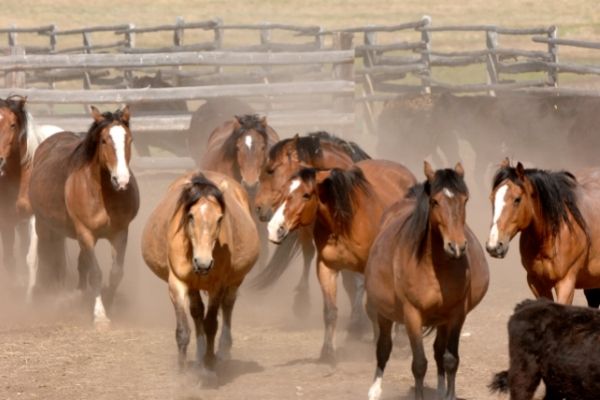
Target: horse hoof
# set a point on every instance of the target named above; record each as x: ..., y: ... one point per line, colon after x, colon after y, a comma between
x: 102, y: 324
x: 328, y: 356
x: 209, y: 378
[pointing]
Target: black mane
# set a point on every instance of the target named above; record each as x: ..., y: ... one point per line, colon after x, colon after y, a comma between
x: 415, y: 229
x: 14, y: 104
x: 86, y: 149
x: 199, y: 187
x: 248, y: 123
x: 556, y: 195
x: 309, y: 147
x: 340, y: 190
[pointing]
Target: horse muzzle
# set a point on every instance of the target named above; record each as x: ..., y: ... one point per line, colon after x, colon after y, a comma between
x: 119, y: 183
x: 277, y: 235
x: 264, y: 213
x: 202, y: 267
x: 498, y: 250
x: 455, y: 250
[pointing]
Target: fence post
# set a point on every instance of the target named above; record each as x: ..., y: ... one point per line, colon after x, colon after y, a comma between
x: 345, y: 71
x: 491, y: 42
x: 130, y: 44
x: 553, y: 50
x: 12, y: 37
x: 425, y: 57
x: 265, y: 39
x: 218, y: 42
x: 16, y: 79
x: 53, y: 30
x: 178, y: 32
x: 87, y: 44
x: 370, y: 38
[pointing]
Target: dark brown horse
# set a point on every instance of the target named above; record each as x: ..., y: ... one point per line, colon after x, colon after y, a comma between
x: 201, y: 236
x: 318, y: 150
x: 557, y: 216
x: 82, y: 188
x: 238, y: 148
x: 426, y: 268
x: 345, y: 208
x: 19, y: 138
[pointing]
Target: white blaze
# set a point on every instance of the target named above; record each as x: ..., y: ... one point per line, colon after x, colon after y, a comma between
x: 248, y: 141
x: 448, y: 193
x: 278, y: 219
x: 118, y: 134
x: 499, y: 201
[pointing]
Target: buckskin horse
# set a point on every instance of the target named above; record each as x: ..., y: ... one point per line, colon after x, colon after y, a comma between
x: 19, y: 138
x: 201, y: 237
x: 557, y: 216
x: 322, y: 151
x: 426, y: 268
x: 345, y: 208
x: 82, y: 188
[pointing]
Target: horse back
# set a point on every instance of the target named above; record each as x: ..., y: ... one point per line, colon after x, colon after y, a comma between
x: 389, y: 180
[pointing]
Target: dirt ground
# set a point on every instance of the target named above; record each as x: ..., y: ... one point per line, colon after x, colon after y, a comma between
x: 51, y: 351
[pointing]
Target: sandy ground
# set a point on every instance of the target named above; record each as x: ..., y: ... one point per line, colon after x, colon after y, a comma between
x: 51, y: 351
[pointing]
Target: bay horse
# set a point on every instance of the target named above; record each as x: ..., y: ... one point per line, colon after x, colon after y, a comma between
x: 82, y: 188
x: 319, y: 150
x: 345, y: 208
x: 19, y: 138
x: 556, y: 213
x: 238, y: 148
x: 426, y: 268
x: 201, y: 237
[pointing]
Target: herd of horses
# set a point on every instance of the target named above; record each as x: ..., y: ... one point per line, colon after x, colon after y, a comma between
x: 401, y: 240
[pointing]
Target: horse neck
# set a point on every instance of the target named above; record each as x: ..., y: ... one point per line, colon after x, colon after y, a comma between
x: 362, y: 205
x: 333, y: 157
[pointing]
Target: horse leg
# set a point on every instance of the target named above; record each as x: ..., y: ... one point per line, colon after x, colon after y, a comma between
x: 7, y: 230
x: 384, y: 348
x: 32, y: 259
x: 225, y: 342
x: 439, y: 348
x: 197, y: 312
x: 451, y: 358
x: 328, y: 281
x: 119, y: 244
x: 372, y: 314
x: 539, y: 290
x: 593, y: 297
x: 302, y: 298
x: 89, y: 263
x: 50, y: 255
x: 211, y: 325
x: 354, y: 283
x: 179, y: 294
x: 414, y: 328
x: 565, y: 290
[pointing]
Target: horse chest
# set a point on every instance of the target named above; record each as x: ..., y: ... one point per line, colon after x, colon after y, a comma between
x: 338, y: 255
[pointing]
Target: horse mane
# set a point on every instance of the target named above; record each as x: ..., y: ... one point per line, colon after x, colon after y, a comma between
x: 199, y: 187
x: 415, y: 228
x: 556, y: 195
x: 86, y: 149
x: 248, y: 123
x: 339, y: 189
x: 309, y: 147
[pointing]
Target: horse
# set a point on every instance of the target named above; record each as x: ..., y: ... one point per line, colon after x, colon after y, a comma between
x: 556, y: 213
x: 19, y: 138
x: 345, y: 208
x: 201, y: 237
x: 238, y: 148
x: 210, y: 114
x: 426, y: 268
x: 82, y: 188
x: 319, y: 150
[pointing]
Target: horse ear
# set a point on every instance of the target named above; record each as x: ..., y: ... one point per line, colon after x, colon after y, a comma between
x: 505, y: 163
x: 520, y: 170
x: 125, y: 114
x: 263, y: 121
x: 429, y: 172
x: 459, y: 169
x: 21, y: 102
x: 96, y: 114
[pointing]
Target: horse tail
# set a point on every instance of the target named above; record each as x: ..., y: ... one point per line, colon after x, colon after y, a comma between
x: 499, y: 383
x: 280, y: 260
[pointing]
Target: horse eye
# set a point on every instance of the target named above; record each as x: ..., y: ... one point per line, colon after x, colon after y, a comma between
x: 191, y: 218
x: 13, y: 126
x: 517, y: 201
x: 270, y: 171
x: 306, y: 196
x: 220, y: 219
x: 434, y: 203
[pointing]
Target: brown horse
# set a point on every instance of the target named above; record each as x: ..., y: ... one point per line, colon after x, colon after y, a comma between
x: 318, y: 150
x: 345, y: 207
x: 426, y: 269
x: 82, y: 188
x: 19, y: 138
x: 201, y: 236
x: 557, y: 216
x: 238, y: 148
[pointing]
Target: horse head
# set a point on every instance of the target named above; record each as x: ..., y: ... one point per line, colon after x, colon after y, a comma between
x: 448, y: 196
x: 112, y: 138
x: 202, y: 208
x: 12, y: 123
x: 511, y: 207
x: 250, y: 143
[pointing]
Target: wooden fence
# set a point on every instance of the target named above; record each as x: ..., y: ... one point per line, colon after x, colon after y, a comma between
x: 277, y: 65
